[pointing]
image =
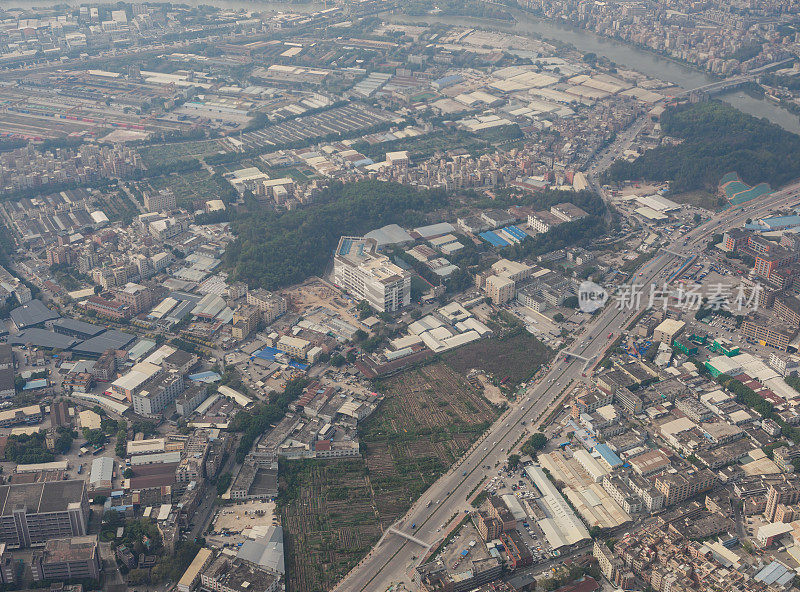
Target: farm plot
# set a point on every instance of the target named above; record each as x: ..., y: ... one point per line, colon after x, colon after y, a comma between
x: 191, y: 187
x: 510, y: 359
x: 116, y: 205
x: 334, y: 511
x: 429, y: 417
x: 329, y: 520
x: 159, y: 154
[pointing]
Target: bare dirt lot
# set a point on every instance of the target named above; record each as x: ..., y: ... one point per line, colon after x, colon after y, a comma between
x: 510, y: 359
x: 315, y: 293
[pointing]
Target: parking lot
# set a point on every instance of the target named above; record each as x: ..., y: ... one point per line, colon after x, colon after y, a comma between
x: 233, y: 524
x: 517, y: 483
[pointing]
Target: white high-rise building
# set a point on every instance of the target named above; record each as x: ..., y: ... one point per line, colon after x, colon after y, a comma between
x: 367, y: 275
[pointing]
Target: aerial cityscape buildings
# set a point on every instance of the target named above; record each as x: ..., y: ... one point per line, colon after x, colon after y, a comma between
x: 372, y: 296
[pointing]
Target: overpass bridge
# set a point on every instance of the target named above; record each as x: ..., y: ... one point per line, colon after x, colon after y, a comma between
x: 720, y: 86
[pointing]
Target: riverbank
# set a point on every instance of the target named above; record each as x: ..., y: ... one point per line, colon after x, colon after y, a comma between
x: 639, y: 59
x: 649, y: 63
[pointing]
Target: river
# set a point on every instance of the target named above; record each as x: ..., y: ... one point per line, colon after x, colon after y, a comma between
x: 625, y: 55
x: 632, y: 57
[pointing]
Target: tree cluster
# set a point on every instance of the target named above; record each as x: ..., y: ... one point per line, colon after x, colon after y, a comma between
x: 258, y: 420
x: 276, y: 249
x: 717, y: 139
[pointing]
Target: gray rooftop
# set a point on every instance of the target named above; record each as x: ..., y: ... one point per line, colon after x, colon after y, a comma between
x: 389, y: 235
x: 102, y: 469
x: 32, y: 313
x: 76, y: 326
x: 42, y: 338
x: 50, y: 496
x: 266, y: 551
x: 111, y: 339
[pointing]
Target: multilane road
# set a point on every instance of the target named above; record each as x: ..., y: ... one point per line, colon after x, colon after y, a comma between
x: 392, y: 560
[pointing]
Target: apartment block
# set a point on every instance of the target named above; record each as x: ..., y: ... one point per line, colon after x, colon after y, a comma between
x: 784, y: 493
x: 678, y: 487
x: 787, y: 309
x: 245, y: 321
x: 760, y: 328
x: 76, y: 558
x: 158, y: 393
x: 270, y: 304
x: 500, y: 289
x: 367, y: 275
x: 543, y: 221
x: 33, y: 513
x: 136, y: 297
x: 567, y: 212
x: 160, y: 201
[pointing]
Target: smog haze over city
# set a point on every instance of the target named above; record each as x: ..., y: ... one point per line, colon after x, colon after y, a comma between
x: 382, y: 296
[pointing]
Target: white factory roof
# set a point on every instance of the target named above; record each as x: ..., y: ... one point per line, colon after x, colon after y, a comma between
x: 774, y: 529
x: 454, y: 312
x: 595, y: 470
x: 140, y: 373
x: 209, y: 305
x: 755, y: 368
x: 724, y: 555
x: 57, y: 465
x: 102, y: 469
x: 146, y: 446
x: 405, y: 341
x: 513, y: 505
x: 440, y: 241
x: 158, y: 458
x: 473, y: 324
x: 163, y: 307
x: 650, y: 213
x: 163, y: 512
x: 424, y: 324
x: 714, y: 397
x: 670, y: 326
x: 99, y: 217
x: 238, y: 397
x: 561, y: 527
x: 658, y: 203
x: 206, y: 405
x: 157, y: 357
x: 434, y: 229
x: 676, y: 426
x: 105, y: 402
x: 389, y: 235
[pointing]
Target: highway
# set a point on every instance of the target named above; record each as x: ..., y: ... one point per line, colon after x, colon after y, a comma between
x: 393, y: 558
